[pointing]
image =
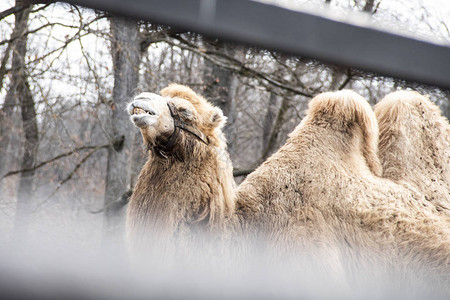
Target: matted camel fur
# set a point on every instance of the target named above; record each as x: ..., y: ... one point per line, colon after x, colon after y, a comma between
x: 320, y: 195
x: 415, y: 145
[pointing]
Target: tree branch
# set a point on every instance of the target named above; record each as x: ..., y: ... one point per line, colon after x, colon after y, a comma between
x: 37, y: 29
x: 4, y: 61
x: 13, y: 10
x: 233, y: 65
x: 41, y: 164
x: 76, y: 168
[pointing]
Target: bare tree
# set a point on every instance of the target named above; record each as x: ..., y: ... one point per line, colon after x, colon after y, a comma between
x: 17, y: 46
x: 220, y: 86
x: 126, y: 60
x: 271, y: 139
x: 269, y: 118
x: 19, y: 92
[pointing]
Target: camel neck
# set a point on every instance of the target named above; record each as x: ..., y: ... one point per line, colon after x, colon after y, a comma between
x: 176, y: 195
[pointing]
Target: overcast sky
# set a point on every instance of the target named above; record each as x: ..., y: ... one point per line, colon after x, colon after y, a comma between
x: 428, y: 19
x: 424, y: 19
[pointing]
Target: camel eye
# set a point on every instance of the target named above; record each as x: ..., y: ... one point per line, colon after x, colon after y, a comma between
x: 185, y: 113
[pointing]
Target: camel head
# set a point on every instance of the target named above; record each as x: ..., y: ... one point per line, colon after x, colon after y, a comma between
x: 176, y: 122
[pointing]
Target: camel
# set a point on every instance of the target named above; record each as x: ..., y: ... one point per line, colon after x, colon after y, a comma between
x: 187, y: 184
x: 321, y: 194
x: 415, y: 145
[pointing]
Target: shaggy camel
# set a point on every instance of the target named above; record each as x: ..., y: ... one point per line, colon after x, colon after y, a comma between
x: 187, y: 180
x: 415, y: 145
x: 320, y: 194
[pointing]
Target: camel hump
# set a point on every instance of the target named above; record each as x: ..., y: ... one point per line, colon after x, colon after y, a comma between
x: 415, y: 117
x: 341, y: 111
x: 401, y: 104
x: 415, y: 142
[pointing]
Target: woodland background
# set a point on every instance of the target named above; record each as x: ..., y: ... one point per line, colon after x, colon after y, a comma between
x: 69, y: 156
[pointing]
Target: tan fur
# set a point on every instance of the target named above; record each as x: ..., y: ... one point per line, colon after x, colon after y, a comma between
x: 207, y: 122
x: 320, y: 195
x: 176, y: 197
x: 415, y: 145
x: 321, y: 188
x: 344, y: 110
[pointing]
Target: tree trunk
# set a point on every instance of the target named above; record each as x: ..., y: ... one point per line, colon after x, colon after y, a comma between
x: 268, y: 120
x: 7, y: 111
x: 368, y: 7
x: 126, y: 59
x: 6, y: 130
x: 19, y: 92
x: 220, y: 87
x: 271, y: 140
x: 336, y: 78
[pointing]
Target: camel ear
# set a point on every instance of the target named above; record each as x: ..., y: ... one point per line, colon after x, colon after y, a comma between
x: 217, y: 118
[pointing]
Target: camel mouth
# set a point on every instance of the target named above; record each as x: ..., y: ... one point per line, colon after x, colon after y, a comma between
x: 141, y: 108
x: 141, y: 111
x: 142, y: 114
x: 146, y: 109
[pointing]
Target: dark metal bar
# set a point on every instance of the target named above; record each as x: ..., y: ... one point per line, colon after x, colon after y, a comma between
x: 296, y: 33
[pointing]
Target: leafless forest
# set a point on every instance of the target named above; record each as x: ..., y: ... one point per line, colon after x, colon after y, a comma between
x: 69, y: 156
